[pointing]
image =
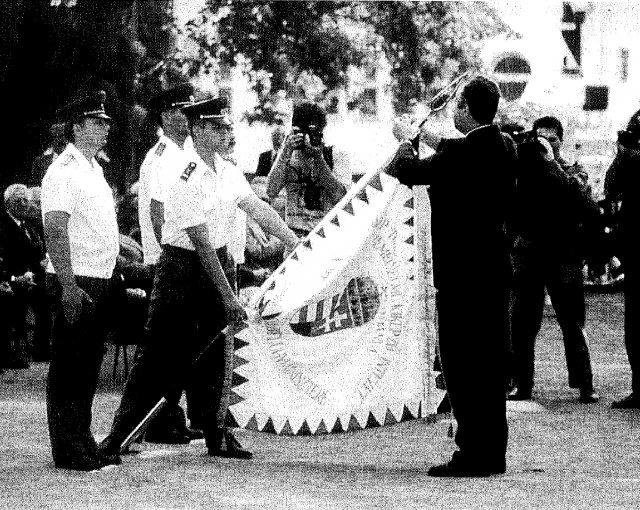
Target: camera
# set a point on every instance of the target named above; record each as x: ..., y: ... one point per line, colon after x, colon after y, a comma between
x: 314, y: 132
x: 524, y: 136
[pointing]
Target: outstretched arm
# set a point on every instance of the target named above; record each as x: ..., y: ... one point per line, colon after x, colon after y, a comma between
x: 269, y: 220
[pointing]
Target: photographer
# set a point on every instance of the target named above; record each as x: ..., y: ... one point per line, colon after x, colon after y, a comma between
x: 549, y: 208
x: 304, y: 167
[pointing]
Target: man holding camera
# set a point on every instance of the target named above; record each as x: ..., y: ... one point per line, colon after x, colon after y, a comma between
x: 549, y: 209
x: 304, y: 167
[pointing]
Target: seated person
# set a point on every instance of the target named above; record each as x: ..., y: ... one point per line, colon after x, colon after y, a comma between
x: 267, y: 158
x: 23, y: 252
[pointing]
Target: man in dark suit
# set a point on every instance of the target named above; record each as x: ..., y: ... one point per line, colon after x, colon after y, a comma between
x: 621, y: 189
x: 472, y: 181
x: 266, y: 158
x: 22, y: 250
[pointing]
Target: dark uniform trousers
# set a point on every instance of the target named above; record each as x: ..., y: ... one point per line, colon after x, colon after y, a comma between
x: 473, y: 354
x: 564, y: 283
x: 76, y: 356
x: 185, y: 314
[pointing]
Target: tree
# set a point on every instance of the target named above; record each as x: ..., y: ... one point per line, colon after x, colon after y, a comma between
x: 65, y: 48
x: 425, y: 42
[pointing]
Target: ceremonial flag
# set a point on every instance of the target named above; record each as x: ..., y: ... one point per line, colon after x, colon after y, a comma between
x: 343, y: 333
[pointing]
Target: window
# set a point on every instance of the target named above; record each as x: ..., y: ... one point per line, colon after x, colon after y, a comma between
x: 596, y: 98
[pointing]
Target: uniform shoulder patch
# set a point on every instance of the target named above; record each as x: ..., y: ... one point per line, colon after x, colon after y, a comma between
x: 188, y: 171
x: 160, y: 149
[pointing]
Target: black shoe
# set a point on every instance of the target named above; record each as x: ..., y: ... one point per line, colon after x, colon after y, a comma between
x: 234, y: 448
x: 110, y: 459
x: 193, y: 434
x: 519, y: 394
x: 455, y: 468
x: 628, y: 402
x: 167, y: 437
x: 110, y: 449
x: 231, y: 448
x: 88, y: 462
x: 588, y: 396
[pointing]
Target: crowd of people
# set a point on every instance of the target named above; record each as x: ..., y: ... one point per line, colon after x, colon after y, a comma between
x: 195, y: 227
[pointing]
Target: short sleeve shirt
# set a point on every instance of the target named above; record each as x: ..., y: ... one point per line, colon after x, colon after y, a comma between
x: 233, y: 188
x: 162, y: 165
x: 204, y: 195
x: 77, y: 186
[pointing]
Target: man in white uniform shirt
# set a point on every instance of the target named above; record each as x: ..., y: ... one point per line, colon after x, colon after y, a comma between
x: 192, y: 300
x: 162, y: 165
x: 81, y: 235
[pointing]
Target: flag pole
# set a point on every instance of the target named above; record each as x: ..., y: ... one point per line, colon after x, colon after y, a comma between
x: 155, y: 410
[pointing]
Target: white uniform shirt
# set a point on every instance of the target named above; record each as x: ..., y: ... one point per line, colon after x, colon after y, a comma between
x: 76, y: 186
x: 204, y: 195
x: 235, y: 189
x: 162, y: 166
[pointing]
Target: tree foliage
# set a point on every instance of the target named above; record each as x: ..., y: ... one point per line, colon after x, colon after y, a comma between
x: 425, y: 43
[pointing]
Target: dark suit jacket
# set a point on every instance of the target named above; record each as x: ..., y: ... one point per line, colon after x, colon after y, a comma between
x: 553, y: 214
x: 472, y: 182
x: 264, y: 164
x: 19, y: 252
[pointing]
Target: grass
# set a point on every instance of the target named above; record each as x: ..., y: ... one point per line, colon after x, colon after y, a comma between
x: 562, y: 454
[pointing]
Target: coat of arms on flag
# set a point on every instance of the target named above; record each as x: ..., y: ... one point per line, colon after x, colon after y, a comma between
x: 343, y: 337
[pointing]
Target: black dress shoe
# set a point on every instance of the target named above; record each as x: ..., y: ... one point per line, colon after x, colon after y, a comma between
x: 193, y: 434
x: 88, y: 462
x: 455, y: 468
x: 519, y: 394
x: 109, y: 459
x: 110, y: 449
x: 588, y: 396
x: 167, y: 437
x: 628, y: 402
x: 222, y: 443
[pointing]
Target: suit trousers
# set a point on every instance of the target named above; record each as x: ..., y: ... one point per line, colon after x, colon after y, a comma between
x: 76, y: 356
x: 473, y: 333
x: 631, y: 320
x: 565, y: 286
x: 184, y: 316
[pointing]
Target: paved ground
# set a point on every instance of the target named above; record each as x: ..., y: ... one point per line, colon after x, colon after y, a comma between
x: 561, y: 454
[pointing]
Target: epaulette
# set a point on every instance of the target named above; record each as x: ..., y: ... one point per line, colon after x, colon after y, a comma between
x: 68, y: 159
x: 160, y: 149
x: 188, y: 171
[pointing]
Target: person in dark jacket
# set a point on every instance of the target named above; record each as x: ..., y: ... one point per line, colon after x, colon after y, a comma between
x: 22, y: 248
x: 549, y: 210
x: 472, y: 182
x: 621, y: 187
x: 267, y: 158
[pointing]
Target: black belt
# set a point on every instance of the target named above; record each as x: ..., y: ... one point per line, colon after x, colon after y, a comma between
x: 186, y: 253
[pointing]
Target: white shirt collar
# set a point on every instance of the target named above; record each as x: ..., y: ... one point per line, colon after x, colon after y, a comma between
x: 478, y: 128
